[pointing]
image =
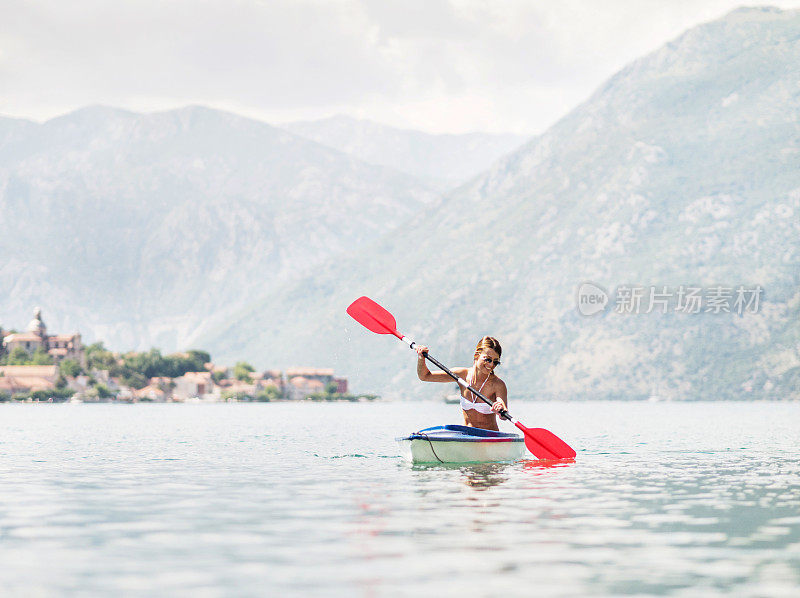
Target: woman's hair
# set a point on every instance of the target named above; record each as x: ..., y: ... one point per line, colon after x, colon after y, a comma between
x: 488, y: 342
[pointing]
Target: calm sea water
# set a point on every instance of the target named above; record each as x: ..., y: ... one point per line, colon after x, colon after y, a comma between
x: 695, y: 499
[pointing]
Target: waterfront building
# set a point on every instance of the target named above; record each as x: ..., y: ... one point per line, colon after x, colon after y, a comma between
x: 273, y: 378
x: 323, y: 375
x: 195, y: 385
x: 35, y: 338
x: 301, y: 382
x: 27, y: 378
x: 300, y: 387
x: 158, y: 390
x: 239, y: 388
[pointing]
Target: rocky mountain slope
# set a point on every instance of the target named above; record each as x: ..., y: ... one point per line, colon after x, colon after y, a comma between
x: 145, y: 229
x: 683, y: 170
x: 443, y: 161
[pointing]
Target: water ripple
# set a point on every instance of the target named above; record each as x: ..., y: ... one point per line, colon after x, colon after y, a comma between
x: 248, y: 500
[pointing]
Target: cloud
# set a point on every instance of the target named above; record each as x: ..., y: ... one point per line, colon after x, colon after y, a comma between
x: 442, y: 65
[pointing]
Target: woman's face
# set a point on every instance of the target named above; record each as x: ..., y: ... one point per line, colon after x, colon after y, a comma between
x: 487, y: 360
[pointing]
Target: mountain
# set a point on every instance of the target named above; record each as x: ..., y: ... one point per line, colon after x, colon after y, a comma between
x: 443, y: 161
x: 144, y: 229
x: 682, y: 170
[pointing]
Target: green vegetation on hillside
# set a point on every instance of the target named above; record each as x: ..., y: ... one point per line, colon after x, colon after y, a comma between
x: 135, y: 369
x: 20, y: 356
x: 242, y: 371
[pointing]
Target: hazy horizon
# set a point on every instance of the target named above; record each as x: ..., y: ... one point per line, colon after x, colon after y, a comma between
x: 446, y: 67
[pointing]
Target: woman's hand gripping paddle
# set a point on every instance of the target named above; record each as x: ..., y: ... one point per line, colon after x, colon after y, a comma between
x: 542, y: 443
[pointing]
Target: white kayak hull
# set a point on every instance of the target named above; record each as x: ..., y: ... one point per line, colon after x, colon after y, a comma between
x: 461, y: 444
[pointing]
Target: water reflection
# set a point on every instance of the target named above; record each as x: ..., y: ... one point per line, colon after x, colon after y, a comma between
x: 89, y: 506
x: 475, y: 475
x: 484, y: 475
x: 541, y: 464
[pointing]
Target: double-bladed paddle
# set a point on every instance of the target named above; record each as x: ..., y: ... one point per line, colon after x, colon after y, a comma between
x: 542, y: 443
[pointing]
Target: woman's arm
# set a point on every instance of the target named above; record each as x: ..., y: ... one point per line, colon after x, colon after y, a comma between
x: 501, y: 397
x: 425, y: 374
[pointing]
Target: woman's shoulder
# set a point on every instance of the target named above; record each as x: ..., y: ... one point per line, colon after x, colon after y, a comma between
x: 498, y: 382
x: 462, y: 372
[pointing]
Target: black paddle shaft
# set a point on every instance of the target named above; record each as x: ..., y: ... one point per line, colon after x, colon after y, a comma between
x: 502, y: 413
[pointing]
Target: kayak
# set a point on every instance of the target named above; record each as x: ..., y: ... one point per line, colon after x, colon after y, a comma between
x: 461, y: 444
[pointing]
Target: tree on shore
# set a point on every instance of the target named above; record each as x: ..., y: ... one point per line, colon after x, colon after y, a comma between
x: 41, y: 357
x: 100, y: 391
x: 20, y: 356
x: 70, y: 368
x: 242, y: 371
x: 270, y: 393
x: 100, y: 358
x: 135, y: 369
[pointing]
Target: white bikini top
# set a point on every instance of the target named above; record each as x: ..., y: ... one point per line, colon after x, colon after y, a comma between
x: 480, y: 407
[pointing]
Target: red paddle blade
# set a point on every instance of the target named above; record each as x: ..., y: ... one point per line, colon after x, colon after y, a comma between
x: 372, y: 316
x: 546, y: 445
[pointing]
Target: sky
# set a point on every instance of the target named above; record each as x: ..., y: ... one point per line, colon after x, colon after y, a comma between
x: 442, y: 66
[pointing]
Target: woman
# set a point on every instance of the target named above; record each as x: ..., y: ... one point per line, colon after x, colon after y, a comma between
x: 481, y: 376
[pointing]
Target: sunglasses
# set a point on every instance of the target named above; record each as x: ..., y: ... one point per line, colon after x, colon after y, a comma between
x: 488, y: 359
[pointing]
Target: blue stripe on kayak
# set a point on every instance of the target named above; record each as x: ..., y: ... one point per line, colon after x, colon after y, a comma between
x: 456, y: 433
x: 417, y: 436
